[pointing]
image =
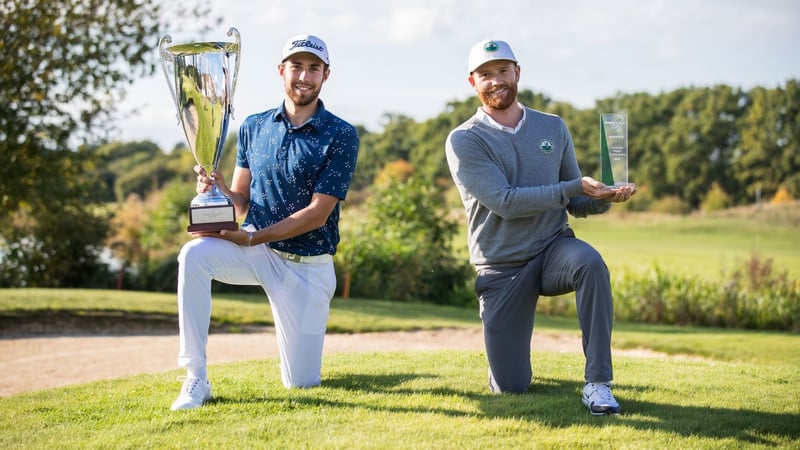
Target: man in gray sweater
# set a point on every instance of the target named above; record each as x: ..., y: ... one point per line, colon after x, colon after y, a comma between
x: 518, y: 176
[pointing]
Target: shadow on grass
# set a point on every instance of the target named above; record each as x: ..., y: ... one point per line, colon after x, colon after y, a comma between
x: 556, y: 403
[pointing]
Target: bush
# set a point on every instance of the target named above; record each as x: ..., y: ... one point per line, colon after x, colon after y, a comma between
x: 400, y: 248
x: 781, y: 196
x: 671, y: 205
x: 755, y: 296
x: 716, y: 199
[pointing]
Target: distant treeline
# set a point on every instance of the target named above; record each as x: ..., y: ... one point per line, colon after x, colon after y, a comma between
x: 682, y: 144
x: 697, y: 147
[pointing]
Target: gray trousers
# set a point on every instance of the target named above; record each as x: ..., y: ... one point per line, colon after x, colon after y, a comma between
x: 508, y: 298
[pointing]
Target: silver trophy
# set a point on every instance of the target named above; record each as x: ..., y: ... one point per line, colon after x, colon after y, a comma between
x: 202, y: 84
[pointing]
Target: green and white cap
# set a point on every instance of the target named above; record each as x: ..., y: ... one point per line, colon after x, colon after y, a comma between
x: 489, y: 50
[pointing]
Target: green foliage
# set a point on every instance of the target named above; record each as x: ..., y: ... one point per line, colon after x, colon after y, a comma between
x: 166, y: 228
x: 671, y: 205
x: 770, y: 139
x: 57, y: 240
x: 792, y: 185
x: 395, y: 142
x: 66, y: 66
x: 401, y: 250
x: 716, y: 199
x: 756, y: 296
x: 51, y: 252
x: 61, y: 86
x: 145, y: 170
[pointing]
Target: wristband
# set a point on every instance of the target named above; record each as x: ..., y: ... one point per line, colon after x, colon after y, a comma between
x: 249, y: 238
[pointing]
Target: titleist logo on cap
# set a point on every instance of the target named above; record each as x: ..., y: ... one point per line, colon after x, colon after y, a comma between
x: 306, y: 44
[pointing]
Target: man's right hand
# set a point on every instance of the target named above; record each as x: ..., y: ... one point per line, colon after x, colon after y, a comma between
x: 205, y: 182
x: 595, y: 189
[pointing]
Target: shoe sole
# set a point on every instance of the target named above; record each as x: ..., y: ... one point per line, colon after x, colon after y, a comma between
x: 609, y: 411
x: 187, y: 407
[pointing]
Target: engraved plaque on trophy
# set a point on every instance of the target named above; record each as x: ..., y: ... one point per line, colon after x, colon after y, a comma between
x: 614, y: 149
x: 202, y: 79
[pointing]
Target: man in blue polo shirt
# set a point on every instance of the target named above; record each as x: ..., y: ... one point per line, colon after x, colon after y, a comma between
x: 294, y: 165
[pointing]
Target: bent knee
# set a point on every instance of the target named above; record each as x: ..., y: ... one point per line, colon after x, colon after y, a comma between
x: 189, y: 251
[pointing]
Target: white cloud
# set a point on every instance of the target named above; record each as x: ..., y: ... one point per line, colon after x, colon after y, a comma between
x: 406, y: 25
x: 409, y: 56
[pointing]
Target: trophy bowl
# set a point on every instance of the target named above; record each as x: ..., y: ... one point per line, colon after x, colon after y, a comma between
x: 202, y: 80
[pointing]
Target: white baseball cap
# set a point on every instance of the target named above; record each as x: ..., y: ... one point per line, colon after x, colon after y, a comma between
x: 489, y: 50
x: 306, y: 43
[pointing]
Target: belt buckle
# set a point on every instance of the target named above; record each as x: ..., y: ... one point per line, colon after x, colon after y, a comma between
x: 293, y: 258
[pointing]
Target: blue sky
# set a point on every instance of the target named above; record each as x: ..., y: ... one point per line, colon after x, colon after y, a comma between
x: 409, y: 57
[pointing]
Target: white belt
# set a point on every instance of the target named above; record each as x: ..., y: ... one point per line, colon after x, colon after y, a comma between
x: 316, y: 259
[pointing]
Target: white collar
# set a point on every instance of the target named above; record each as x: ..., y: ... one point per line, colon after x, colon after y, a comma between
x: 488, y: 120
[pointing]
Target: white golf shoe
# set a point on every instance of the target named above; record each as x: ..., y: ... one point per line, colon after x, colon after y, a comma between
x: 598, y: 398
x: 194, y: 393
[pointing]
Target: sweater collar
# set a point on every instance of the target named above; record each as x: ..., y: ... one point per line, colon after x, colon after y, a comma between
x: 487, y: 119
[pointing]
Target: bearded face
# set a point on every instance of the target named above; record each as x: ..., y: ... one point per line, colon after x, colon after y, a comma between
x: 302, y: 93
x: 500, y: 96
x: 303, y: 75
x: 496, y: 84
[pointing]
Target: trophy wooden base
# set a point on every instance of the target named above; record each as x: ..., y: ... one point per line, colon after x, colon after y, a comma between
x: 212, y: 218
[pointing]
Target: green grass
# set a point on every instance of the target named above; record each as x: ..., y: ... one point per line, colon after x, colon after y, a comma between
x: 706, y: 245
x: 238, y: 311
x: 420, y: 400
x: 229, y: 310
x: 742, y: 393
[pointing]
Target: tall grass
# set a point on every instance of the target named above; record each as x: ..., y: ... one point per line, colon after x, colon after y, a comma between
x: 755, y: 296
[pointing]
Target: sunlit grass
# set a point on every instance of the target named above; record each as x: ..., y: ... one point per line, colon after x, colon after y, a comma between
x: 706, y: 245
x: 420, y: 400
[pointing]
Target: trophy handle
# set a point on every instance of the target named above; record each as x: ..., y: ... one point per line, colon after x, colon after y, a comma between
x: 238, y: 40
x: 168, y: 58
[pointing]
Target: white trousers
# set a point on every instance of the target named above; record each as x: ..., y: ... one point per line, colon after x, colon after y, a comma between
x: 299, y: 294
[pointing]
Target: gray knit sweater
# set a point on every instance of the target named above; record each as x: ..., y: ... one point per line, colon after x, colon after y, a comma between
x: 516, y: 188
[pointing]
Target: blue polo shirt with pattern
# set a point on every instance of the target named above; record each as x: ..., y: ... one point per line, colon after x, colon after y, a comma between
x: 289, y: 164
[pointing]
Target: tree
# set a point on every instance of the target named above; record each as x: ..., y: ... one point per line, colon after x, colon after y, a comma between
x: 64, y: 66
x: 769, y: 154
x: 400, y: 249
x: 378, y: 149
x: 703, y: 135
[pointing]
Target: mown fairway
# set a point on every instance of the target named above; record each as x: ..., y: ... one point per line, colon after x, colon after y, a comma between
x: 721, y: 389
x: 422, y: 400
x: 704, y: 245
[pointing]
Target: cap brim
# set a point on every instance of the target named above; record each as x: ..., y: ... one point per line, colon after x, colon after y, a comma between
x: 492, y: 60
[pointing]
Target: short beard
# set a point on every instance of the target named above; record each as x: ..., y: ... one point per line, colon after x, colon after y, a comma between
x: 500, y: 103
x: 302, y: 99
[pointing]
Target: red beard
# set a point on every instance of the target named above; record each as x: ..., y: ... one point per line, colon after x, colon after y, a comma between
x: 499, y: 102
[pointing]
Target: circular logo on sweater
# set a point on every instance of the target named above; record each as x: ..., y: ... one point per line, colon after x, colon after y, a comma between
x: 546, y: 146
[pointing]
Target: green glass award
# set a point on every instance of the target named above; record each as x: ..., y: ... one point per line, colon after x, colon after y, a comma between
x: 614, y: 149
